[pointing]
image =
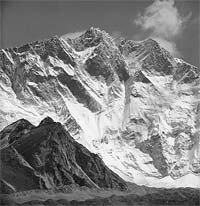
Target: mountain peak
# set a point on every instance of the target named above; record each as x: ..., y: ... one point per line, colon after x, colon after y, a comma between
x: 91, y: 38
x: 15, y: 131
x: 57, y: 159
x: 46, y: 120
x: 94, y: 30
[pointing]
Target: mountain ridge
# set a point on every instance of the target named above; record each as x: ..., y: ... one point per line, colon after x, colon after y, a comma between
x: 51, y: 158
x: 122, y: 100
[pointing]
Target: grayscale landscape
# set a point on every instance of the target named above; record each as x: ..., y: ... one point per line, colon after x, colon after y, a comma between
x: 97, y: 118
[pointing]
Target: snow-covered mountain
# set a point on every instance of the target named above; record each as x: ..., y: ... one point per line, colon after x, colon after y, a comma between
x: 130, y: 102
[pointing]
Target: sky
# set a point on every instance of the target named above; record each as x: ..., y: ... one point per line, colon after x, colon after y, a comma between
x: 175, y: 24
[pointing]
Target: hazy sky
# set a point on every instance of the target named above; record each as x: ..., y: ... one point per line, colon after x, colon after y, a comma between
x: 174, y: 24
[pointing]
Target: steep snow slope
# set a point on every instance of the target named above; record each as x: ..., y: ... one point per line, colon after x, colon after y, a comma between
x: 130, y: 102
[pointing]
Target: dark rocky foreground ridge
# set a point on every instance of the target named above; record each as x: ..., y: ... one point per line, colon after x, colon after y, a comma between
x: 47, y: 157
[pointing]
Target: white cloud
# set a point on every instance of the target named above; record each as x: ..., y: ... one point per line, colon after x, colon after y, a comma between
x: 116, y: 34
x: 164, y: 22
x: 73, y: 35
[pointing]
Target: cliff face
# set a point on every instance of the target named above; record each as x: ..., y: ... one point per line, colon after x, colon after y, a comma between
x: 130, y: 102
x: 47, y: 157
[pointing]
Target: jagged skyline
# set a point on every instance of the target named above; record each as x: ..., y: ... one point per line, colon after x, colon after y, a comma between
x: 26, y: 21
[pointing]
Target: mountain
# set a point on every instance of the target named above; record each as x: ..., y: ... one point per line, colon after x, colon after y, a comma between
x: 131, y: 103
x: 47, y: 157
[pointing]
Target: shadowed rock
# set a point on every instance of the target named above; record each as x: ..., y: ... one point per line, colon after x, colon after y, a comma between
x: 48, y: 157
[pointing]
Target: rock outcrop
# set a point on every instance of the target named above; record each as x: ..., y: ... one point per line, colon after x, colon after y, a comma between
x: 47, y: 157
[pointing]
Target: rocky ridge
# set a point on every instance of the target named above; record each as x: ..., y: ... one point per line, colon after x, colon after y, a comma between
x: 130, y: 102
x: 47, y: 157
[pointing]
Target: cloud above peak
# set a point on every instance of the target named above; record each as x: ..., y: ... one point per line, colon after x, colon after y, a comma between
x: 73, y: 35
x: 164, y: 23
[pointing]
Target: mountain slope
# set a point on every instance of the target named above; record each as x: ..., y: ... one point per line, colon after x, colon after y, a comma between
x: 130, y: 102
x: 47, y: 157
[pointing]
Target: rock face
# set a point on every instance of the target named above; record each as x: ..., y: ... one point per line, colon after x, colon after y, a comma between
x: 14, y: 131
x: 130, y: 102
x: 47, y: 157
